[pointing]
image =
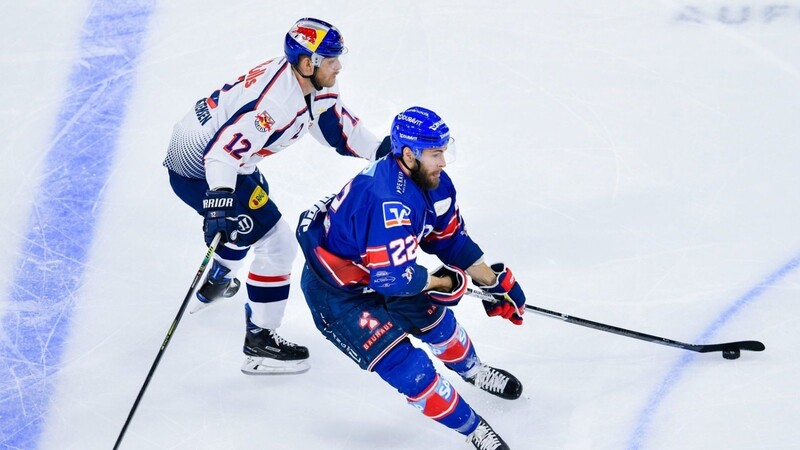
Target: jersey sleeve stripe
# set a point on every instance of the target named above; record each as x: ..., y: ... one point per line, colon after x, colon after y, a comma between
x: 343, y: 271
x: 376, y: 257
x: 450, y: 230
x: 344, y: 135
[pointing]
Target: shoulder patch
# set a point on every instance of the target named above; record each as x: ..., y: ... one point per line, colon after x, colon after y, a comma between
x: 264, y: 122
x: 396, y: 214
x: 258, y: 198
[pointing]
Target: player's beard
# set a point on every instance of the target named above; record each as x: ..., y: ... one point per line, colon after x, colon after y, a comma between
x: 329, y: 81
x: 423, y: 178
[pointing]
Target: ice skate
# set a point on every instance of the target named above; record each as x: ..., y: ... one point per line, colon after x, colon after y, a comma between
x: 497, y: 382
x: 485, y: 438
x: 216, y: 286
x: 270, y: 354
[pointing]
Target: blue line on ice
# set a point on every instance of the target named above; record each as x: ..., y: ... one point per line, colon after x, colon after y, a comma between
x: 673, y: 376
x: 60, y: 230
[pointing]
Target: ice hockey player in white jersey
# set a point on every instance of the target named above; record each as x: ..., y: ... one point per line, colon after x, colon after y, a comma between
x: 212, y: 163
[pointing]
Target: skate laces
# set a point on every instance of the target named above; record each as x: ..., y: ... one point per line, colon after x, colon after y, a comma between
x: 491, y: 380
x: 280, y: 340
x: 484, y: 438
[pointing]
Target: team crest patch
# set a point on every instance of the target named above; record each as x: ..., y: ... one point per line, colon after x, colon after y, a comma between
x: 396, y: 214
x: 264, y: 122
x: 258, y: 198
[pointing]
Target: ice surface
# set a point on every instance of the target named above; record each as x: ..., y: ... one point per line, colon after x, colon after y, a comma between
x: 633, y: 162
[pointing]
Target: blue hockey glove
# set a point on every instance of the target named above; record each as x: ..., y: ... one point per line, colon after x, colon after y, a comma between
x: 510, y: 298
x: 219, y: 210
x: 459, y: 280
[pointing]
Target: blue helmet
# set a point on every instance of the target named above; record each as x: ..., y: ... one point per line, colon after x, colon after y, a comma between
x: 418, y: 128
x: 314, y: 38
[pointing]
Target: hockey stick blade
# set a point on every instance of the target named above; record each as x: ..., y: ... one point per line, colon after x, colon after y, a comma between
x: 753, y: 346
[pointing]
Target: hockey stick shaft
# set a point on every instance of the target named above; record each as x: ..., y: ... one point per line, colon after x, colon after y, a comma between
x: 701, y: 348
x: 197, y: 277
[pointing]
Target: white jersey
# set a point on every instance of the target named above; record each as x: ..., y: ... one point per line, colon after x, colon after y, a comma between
x: 227, y: 133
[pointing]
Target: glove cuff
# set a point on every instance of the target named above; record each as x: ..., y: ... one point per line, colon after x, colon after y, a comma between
x: 503, y: 283
x: 459, y: 286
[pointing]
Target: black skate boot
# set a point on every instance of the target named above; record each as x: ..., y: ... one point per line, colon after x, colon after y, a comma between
x: 216, y: 286
x: 485, y: 438
x: 497, y: 382
x: 270, y: 354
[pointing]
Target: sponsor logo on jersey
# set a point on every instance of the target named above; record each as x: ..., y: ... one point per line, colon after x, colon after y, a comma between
x: 258, y: 198
x: 378, y: 333
x: 383, y: 282
x: 408, y: 274
x: 383, y: 276
x: 346, y: 347
x: 400, y: 186
x: 254, y: 73
x: 396, y: 214
x: 201, y: 111
x: 367, y: 321
x: 264, y: 122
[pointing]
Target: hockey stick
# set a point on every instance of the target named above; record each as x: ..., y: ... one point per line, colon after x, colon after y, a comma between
x: 730, y: 350
x: 172, y: 328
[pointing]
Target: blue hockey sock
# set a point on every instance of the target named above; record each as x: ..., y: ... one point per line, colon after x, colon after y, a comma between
x: 411, y: 372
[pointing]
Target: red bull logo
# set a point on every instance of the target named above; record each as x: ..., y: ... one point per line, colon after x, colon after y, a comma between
x: 305, y: 33
x: 264, y: 122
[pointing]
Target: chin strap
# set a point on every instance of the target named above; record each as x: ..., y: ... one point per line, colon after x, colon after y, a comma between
x: 312, y: 78
x: 403, y: 162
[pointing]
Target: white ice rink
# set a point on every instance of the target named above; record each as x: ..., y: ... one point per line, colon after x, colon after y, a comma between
x: 635, y: 162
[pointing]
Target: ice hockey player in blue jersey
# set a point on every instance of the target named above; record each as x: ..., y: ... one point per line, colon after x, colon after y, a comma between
x: 368, y: 294
x: 212, y: 160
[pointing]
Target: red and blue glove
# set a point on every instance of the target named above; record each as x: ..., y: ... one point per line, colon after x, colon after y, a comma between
x: 510, y: 302
x: 219, y: 211
x: 459, y: 281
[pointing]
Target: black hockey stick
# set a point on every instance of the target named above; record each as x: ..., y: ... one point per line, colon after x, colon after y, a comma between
x: 730, y: 350
x: 172, y: 328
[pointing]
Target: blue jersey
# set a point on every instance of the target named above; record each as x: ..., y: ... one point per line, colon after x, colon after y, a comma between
x: 369, y: 234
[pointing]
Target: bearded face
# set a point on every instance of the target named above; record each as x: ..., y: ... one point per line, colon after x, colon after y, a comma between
x: 428, y: 169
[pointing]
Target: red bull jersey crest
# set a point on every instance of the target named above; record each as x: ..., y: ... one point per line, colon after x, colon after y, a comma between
x: 264, y: 122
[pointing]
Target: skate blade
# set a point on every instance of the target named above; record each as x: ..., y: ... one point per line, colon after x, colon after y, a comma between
x: 255, y: 365
x: 197, y: 306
